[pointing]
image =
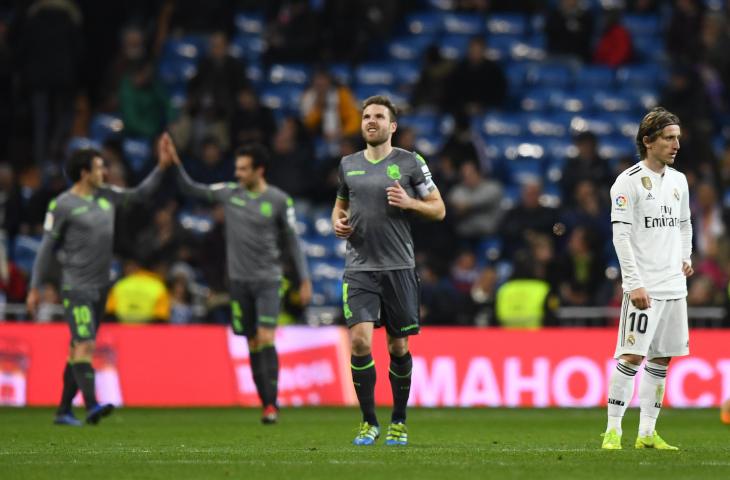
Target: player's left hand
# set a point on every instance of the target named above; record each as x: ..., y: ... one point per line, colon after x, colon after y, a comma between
x: 687, y: 269
x: 305, y: 292
x: 397, y: 196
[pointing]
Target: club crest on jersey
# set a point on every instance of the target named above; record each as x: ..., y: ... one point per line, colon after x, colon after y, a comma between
x: 621, y: 201
x: 393, y: 171
x: 631, y: 340
x: 676, y: 194
x: 646, y: 181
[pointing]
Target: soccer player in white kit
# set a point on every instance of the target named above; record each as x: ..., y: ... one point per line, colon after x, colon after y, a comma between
x: 652, y: 234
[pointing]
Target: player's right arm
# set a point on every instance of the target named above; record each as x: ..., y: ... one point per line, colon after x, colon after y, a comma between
x: 341, y: 210
x: 623, y: 205
x: 212, y: 193
x: 54, y: 227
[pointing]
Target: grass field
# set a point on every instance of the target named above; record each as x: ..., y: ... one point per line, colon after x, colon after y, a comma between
x: 315, y: 444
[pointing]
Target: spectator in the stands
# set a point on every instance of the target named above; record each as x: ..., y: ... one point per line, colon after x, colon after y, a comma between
x: 292, y: 159
x: 430, y: 89
x: 580, y: 273
x: 614, y: 47
x: 252, y: 122
x: 526, y: 218
x: 476, y: 203
x: 329, y: 109
x: 587, y: 164
x: 143, y: 103
x: 293, y: 33
x: 50, y: 53
x: 212, y: 95
x: 683, y: 34
x: 569, y: 30
x: 476, y: 83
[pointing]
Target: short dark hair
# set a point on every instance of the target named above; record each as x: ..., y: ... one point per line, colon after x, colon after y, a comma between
x: 652, y: 126
x: 81, y: 159
x: 258, y: 153
x: 384, y: 101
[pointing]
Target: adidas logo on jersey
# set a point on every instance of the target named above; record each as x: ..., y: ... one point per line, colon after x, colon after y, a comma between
x: 650, y: 197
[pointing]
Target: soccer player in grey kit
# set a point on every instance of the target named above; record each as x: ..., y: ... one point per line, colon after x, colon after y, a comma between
x: 378, y: 188
x: 79, y: 231
x: 259, y: 217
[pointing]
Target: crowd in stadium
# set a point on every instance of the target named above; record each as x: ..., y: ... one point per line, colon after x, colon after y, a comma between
x: 525, y: 111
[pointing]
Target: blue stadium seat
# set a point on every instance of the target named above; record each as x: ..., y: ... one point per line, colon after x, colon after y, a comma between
x: 255, y: 73
x: 454, y: 46
x: 645, y: 75
x: 530, y: 49
x: 490, y: 248
x: 195, y: 223
x: 550, y: 75
x: 503, y: 124
x: 407, y: 73
x: 646, y: 98
x: 249, y: 23
x: 376, y: 73
x: 506, y: 23
x: 496, y: 148
x: 648, y: 48
x: 421, y: 123
x: 428, y: 145
x: 77, y: 143
x: 190, y: 47
x: 516, y: 74
x: 327, y: 292
x: 177, y: 71
x: 526, y: 148
x: 594, y: 76
x: 554, y: 169
x: 558, y: 149
x: 638, y: 24
x: 410, y: 47
x: 520, y: 170
x: 137, y: 152
x: 364, y: 91
x: 326, y: 269
x: 104, y: 126
x: 554, y: 125
x: 324, y: 247
x: 626, y: 125
x: 283, y: 98
x: 536, y: 100
x: 290, y: 74
x: 428, y: 23
x: 500, y: 46
x: 599, y: 125
x: 463, y: 23
x: 579, y: 101
x: 178, y: 96
x: 247, y: 46
x: 341, y: 72
x: 610, y: 101
x: 614, y: 147
x: 726, y: 198
x: 24, y: 252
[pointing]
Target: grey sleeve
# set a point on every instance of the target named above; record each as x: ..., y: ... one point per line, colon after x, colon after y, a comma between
x: 343, y: 191
x: 54, y: 227
x: 287, y: 221
x: 213, y: 193
x: 421, y: 177
x: 143, y: 191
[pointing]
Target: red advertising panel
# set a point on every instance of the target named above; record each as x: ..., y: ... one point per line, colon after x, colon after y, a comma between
x: 163, y: 365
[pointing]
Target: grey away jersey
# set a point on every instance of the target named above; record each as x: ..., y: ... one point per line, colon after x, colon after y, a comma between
x: 255, y: 225
x: 81, y: 231
x: 381, y: 238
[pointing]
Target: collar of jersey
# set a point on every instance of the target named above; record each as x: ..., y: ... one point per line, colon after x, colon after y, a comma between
x: 375, y: 162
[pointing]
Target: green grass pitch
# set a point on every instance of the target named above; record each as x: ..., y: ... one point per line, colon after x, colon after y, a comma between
x: 314, y: 443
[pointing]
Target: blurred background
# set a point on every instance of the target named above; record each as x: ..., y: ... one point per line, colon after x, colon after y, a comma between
x: 525, y: 111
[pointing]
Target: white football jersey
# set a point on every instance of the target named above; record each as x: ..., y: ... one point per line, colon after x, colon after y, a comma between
x: 654, y: 205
